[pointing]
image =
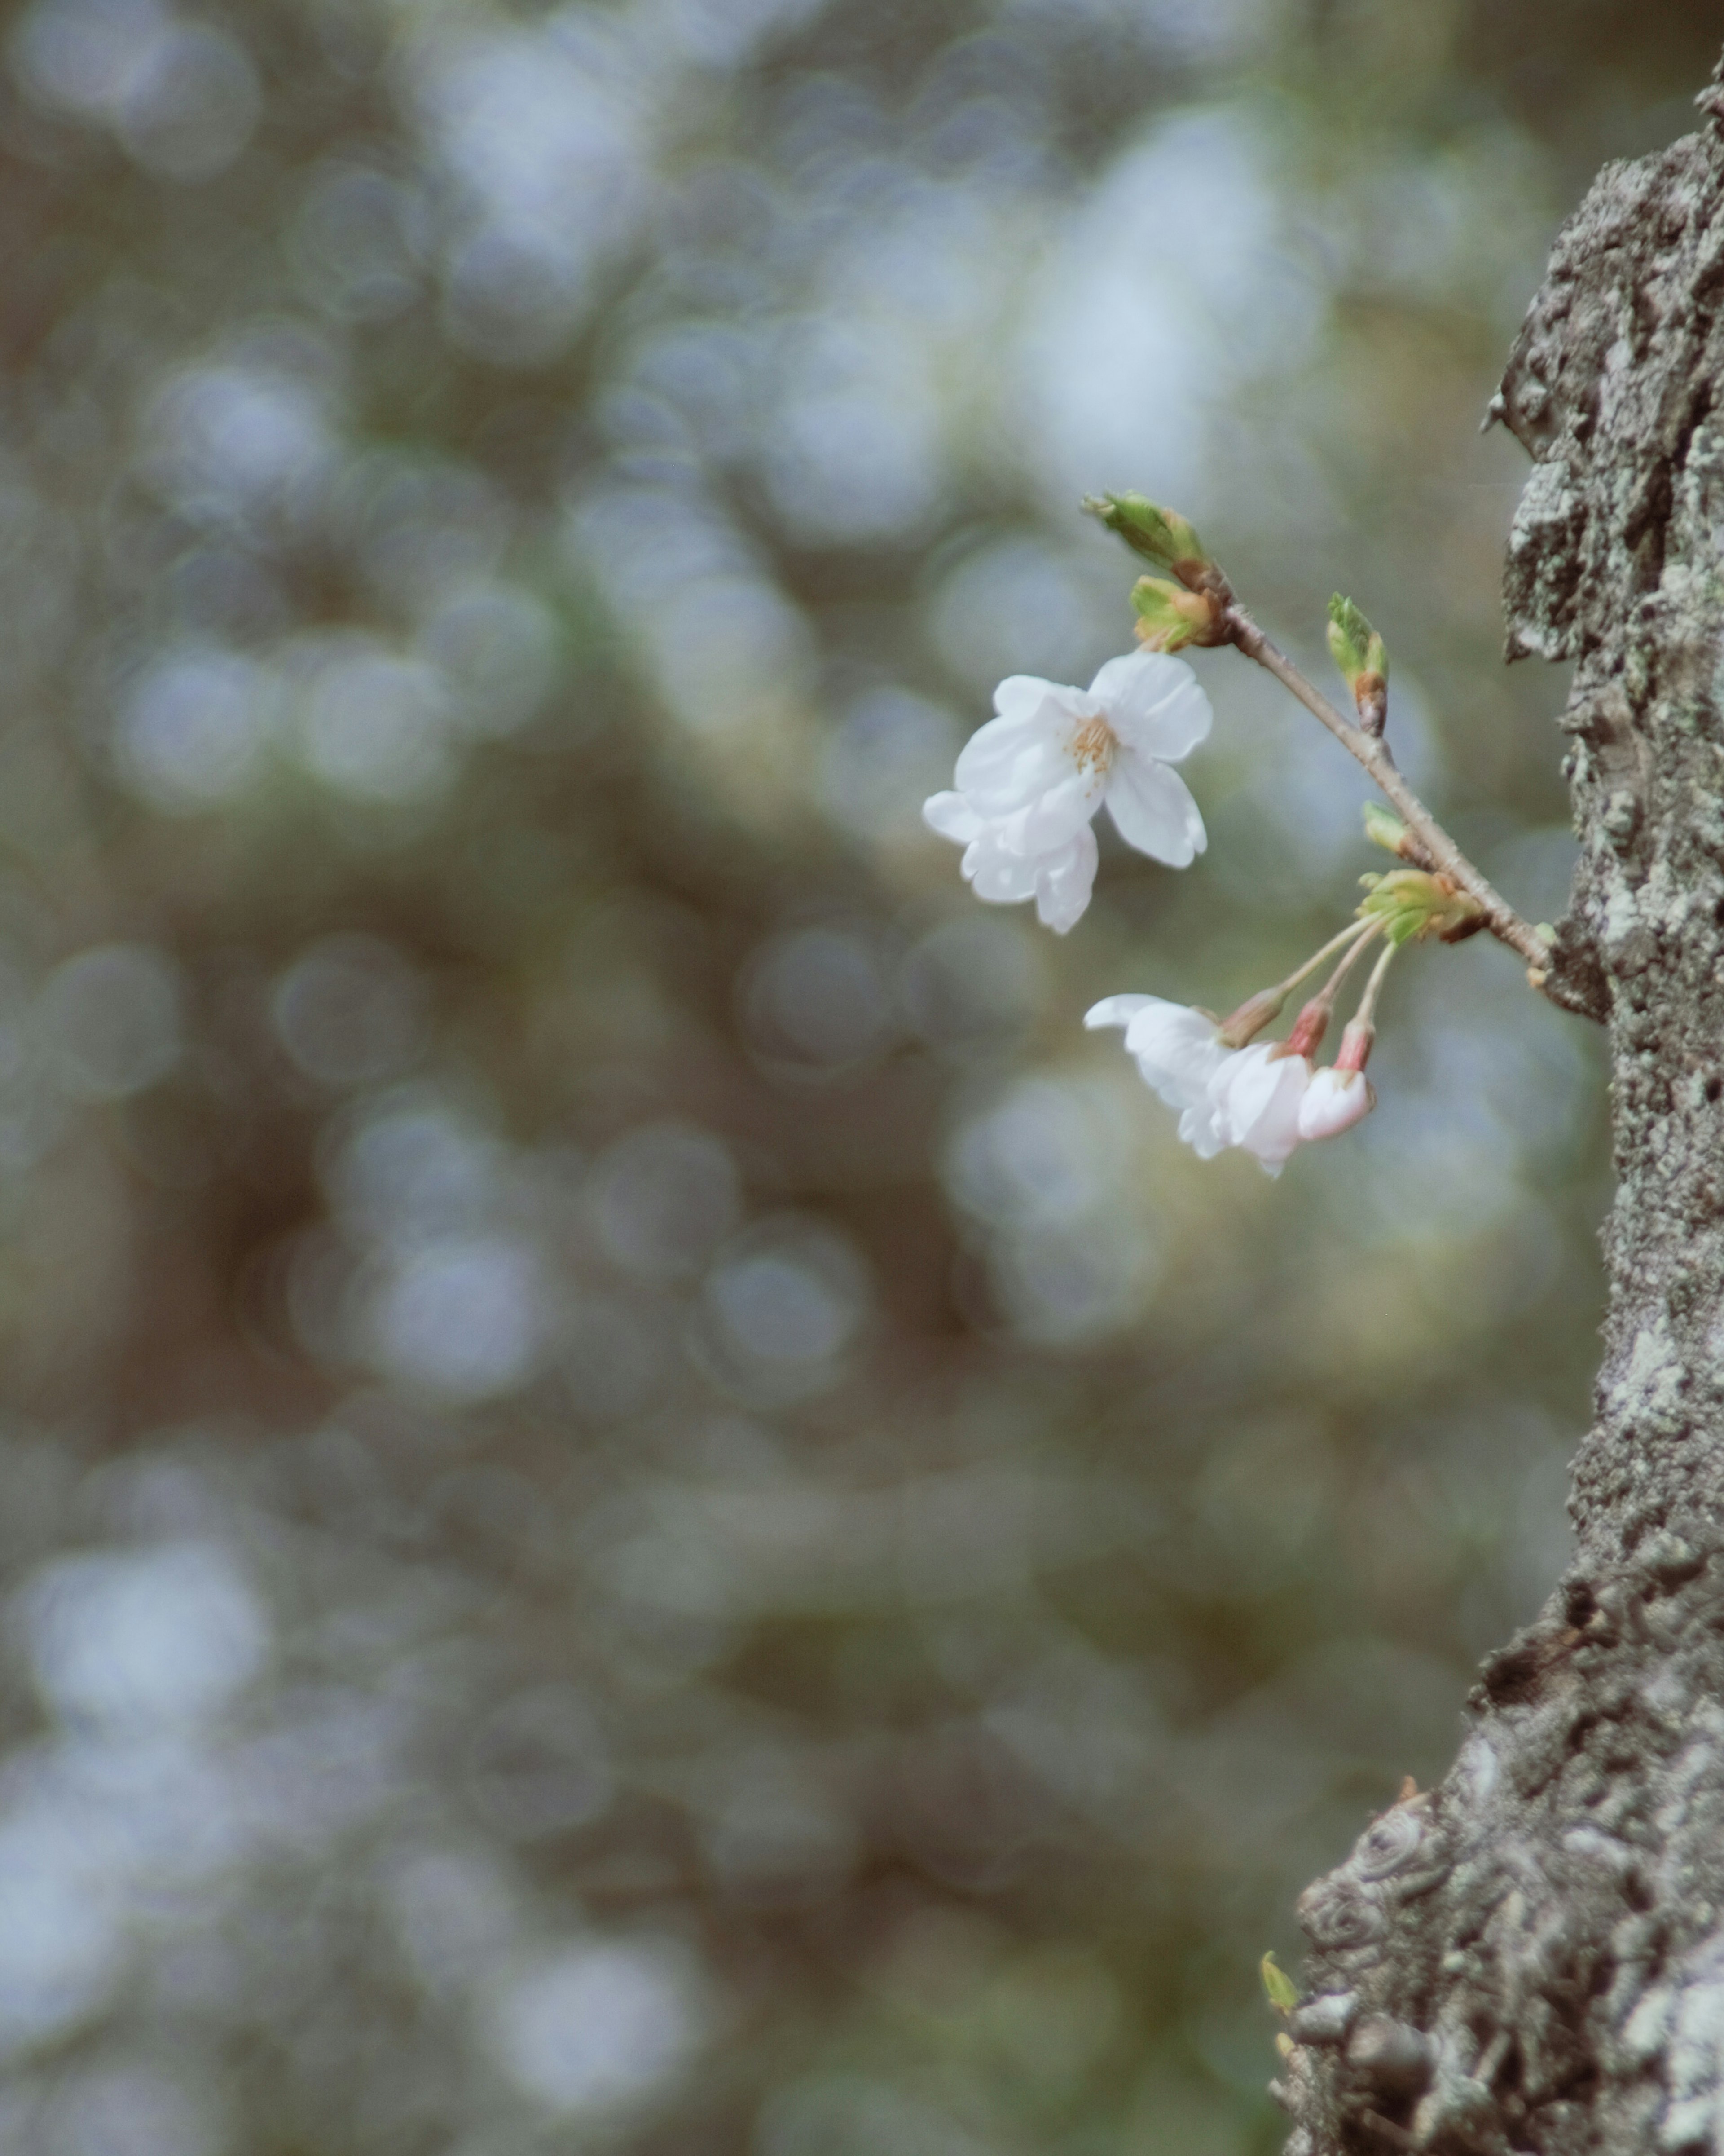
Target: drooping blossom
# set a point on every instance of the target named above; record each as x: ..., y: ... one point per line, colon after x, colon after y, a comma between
x: 1178, y: 1053
x: 1256, y: 1096
x: 1259, y: 1099
x: 1028, y: 782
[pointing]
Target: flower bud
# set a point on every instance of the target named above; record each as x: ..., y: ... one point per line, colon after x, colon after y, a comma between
x: 1248, y: 1020
x: 1169, y: 617
x: 1162, y: 535
x: 1384, y: 829
x: 1333, y: 1102
x: 1358, y: 652
x: 1278, y: 1988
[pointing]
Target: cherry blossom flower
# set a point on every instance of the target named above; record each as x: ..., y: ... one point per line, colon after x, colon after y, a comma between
x: 1178, y: 1053
x: 1255, y: 1097
x: 1028, y: 782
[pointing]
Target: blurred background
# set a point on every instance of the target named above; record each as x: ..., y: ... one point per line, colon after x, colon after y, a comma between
x: 643, y: 1505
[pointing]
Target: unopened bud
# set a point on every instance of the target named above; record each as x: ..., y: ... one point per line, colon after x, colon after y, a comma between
x: 1162, y: 537
x: 1358, y: 652
x: 1248, y: 1020
x: 1334, y: 1101
x: 1382, y: 828
x: 1169, y: 617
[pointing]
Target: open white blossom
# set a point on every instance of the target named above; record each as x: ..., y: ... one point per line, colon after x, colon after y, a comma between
x: 1028, y: 782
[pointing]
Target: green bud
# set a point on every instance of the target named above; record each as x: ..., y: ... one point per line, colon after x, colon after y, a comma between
x: 1162, y: 535
x: 1384, y: 829
x: 1359, y: 653
x: 1349, y: 636
x: 1278, y: 1988
x: 1413, y: 904
x: 1169, y: 617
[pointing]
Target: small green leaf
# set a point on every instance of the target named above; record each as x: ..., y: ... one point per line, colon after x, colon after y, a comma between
x: 1357, y: 649
x: 1278, y: 1988
x: 1383, y: 828
x: 1162, y: 535
x: 1169, y: 617
x: 1410, y: 903
x: 1349, y: 632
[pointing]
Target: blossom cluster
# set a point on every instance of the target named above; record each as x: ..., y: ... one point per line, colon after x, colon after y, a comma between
x: 1028, y: 787
x: 1266, y: 1099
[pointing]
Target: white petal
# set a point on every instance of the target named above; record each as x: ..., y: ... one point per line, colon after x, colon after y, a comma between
x: 1154, y: 810
x: 1118, y: 1010
x: 1022, y: 696
x: 1154, y: 704
x: 1006, y: 764
x: 1176, y: 1052
x: 1256, y: 1095
x: 1065, y: 882
x: 1240, y: 1089
x: 1165, y: 1030
x: 997, y: 873
x: 1197, y: 1128
x: 951, y: 816
x: 1052, y: 820
x: 1333, y: 1102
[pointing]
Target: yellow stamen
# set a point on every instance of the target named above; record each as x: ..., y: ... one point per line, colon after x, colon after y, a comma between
x: 1092, y: 745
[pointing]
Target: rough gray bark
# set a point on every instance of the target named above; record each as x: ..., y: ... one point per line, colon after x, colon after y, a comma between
x: 1532, y: 1956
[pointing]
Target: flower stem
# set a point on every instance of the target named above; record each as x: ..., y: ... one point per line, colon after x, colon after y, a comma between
x: 1357, y: 932
x: 1365, y: 1014
x: 1313, y: 1021
x: 1332, y: 987
x: 1446, y: 858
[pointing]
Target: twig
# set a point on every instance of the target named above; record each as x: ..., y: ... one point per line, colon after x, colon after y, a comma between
x: 1446, y: 858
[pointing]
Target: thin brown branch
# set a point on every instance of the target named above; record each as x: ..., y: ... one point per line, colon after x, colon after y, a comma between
x: 1446, y: 858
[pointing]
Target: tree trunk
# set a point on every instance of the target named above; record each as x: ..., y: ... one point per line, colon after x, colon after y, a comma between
x: 1531, y: 1955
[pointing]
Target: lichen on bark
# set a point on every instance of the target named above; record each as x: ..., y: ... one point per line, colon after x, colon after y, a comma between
x: 1531, y: 1956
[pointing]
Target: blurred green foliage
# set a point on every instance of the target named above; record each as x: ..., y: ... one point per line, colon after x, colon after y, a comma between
x: 645, y: 1504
